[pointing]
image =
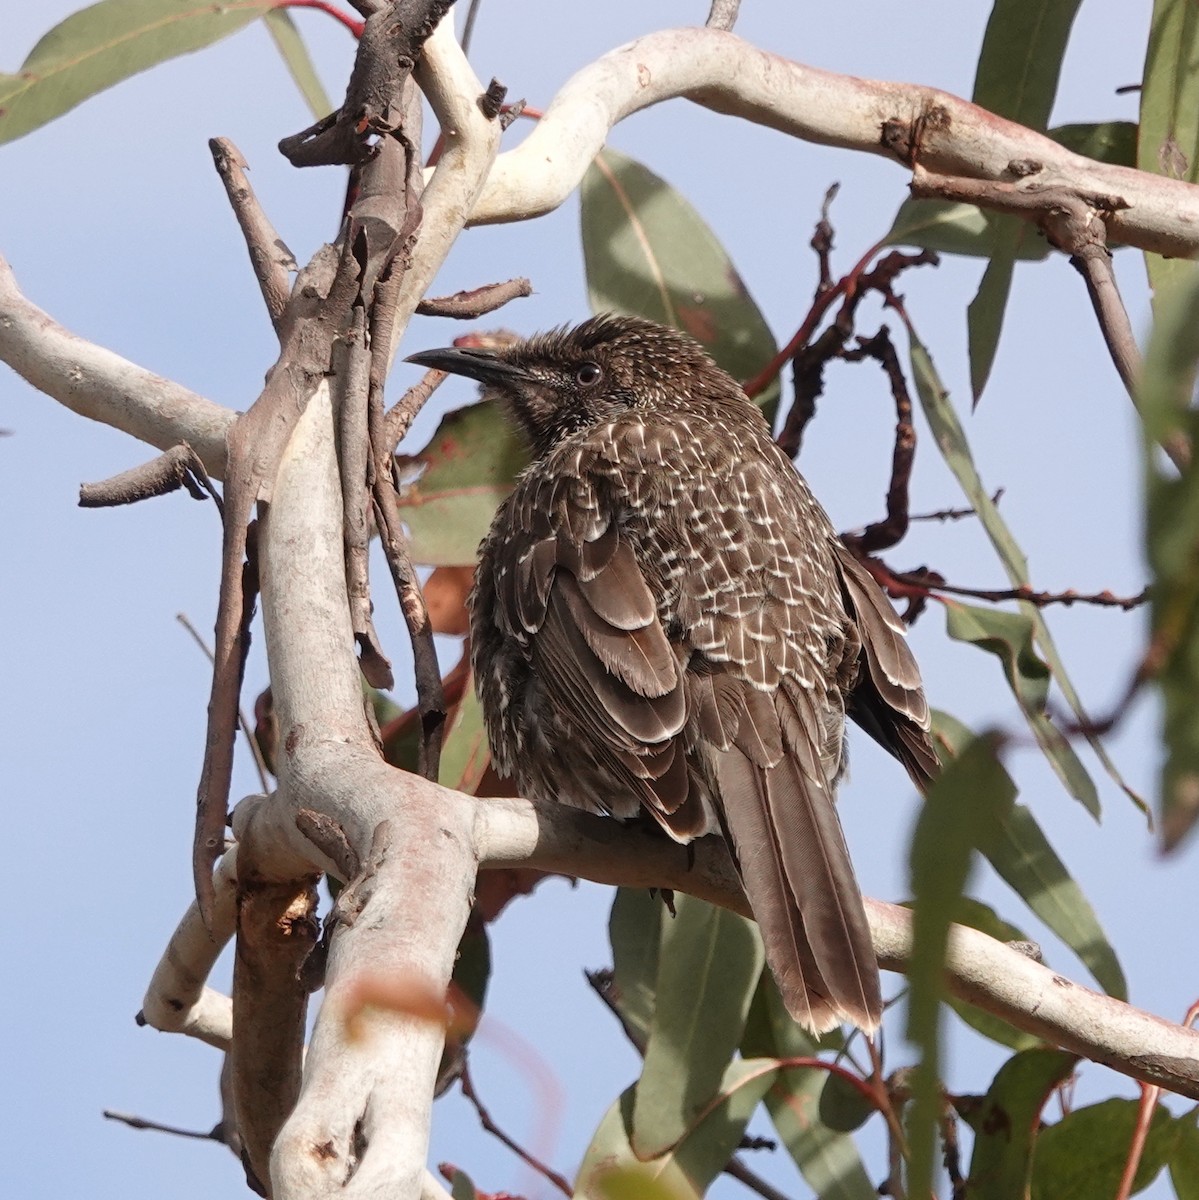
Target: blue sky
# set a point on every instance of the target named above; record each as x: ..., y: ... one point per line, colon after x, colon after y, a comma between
x: 115, y: 223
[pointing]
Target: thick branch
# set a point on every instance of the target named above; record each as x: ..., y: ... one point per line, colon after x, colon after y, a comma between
x: 903, y: 122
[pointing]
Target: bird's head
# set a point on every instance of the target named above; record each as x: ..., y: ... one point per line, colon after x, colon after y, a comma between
x: 559, y: 383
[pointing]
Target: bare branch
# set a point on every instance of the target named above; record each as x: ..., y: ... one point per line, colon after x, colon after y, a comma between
x: 720, y: 71
x: 178, y: 467
x: 105, y: 387
x: 270, y: 258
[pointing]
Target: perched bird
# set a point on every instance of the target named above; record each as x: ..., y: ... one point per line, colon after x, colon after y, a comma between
x: 664, y: 619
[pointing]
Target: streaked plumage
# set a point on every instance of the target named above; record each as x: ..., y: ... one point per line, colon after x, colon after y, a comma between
x: 664, y: 619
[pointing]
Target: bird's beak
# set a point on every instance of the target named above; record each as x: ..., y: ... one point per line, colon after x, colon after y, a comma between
x: 482, y: 365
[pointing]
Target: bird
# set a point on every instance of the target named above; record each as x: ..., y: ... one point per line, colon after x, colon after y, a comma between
x: 664, y: 622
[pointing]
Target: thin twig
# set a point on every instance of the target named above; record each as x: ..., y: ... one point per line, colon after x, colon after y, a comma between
x: 468, y: 1090
x: 477, y: 302
x: 953, y: 514
x: 270, y: 258
x: 752, y: 1180
x: 398, y: 419
x: 952, y: 1152
x: 881, y: 535
x: 723, y: 14
x: 1140, y: 1134
x: 883, y: 1093
x: 215, y: 1134
x: 468, y: 28
x: 242, y: 719
x: 933, y: 582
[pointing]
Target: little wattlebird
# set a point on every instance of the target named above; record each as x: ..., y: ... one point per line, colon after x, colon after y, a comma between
x: 664, y: 619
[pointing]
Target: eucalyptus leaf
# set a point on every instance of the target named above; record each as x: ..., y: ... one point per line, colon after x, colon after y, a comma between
x: 708, y: 969
x: 298, y: 61
x: 1007, y: 1122
x: 1169, y: 121
x: 647, y: 252
x: 106, y: 43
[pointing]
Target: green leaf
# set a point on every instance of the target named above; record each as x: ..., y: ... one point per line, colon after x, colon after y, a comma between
x: 463, y: 1187
x: 465, y: 473
x: 951, y: 441
x: 708, y: 969
x: 1009, y: 636
x: 465, y: 754
x: 842, y: 1106
x: 635, y: 931
x: 1184, y: 1162
x: 1017, y: 77
x: 1169, y: 126
x: 1082, y: 1157
x: 648, y: 253
x: 959, y: 815
x: 611, y: 1169
x: 298, y: 61
x: 984, y: 315
x: 1021, y: 854
x: 1021, y: 58
x: 828, y: 1161
x: 1007, y: 1121
x: 1112, y: 142
x: 1166, y: 393
x: 979, y: 916
x: 100, y: 46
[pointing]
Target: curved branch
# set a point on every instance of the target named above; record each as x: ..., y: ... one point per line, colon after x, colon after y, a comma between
x: 903, y: 122
x: 103, y: 386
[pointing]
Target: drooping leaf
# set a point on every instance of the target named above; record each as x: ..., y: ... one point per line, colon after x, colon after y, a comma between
x: 635, y: 933
x: 959, y: 815
x: 951, y: 441
x: 298, y: 61
x: 464, y: 474
x: 843, y: 1107
x: 984, y: 314
x: 828, y: 1161
x: 105, y: 43
x: 648, y: 253
x: 1009, y: 636
x: 1017, y: 77
x: 1083, y: 1155
x: 1020, y: 852
x: 463, y: 1187
x: 1184, y: 1161
x: 610, y: 1168
x: 1007, y: 1122
x: 1166, y: 393
x: 1169, y: 126
x: 708, y: 969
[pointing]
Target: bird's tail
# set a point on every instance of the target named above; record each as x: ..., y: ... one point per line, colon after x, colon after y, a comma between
x: 800, y: 882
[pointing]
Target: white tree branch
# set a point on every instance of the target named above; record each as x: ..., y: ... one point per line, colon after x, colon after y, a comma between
x: 720, y: 71
x: 103, y: 386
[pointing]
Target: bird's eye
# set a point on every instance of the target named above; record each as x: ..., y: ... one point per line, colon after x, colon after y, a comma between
x: 589, y: 373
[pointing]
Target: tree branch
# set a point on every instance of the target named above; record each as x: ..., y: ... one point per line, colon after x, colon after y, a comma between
x: 902, y: 122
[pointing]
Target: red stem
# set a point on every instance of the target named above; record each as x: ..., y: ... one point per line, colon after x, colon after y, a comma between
x: 355, y: 27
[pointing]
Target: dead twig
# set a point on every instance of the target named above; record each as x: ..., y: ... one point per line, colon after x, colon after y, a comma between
x: 881, y: 535
x: 398, y: 419
x: 953, y: 514
x: 468, y: 1090
x: 270, y: 258
x: 178, y: 467
x: 477, y: 302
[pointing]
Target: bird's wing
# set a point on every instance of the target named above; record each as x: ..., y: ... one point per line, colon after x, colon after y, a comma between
x: 577, y: 597
x: 887, y: 699
x: 762, y: 606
